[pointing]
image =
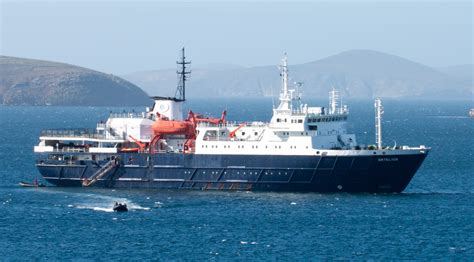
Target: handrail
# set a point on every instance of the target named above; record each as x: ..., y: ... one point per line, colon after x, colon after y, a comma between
x: 100, y: 173
x: 82, y: 133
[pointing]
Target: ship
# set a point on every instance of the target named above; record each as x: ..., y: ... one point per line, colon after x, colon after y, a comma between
x: 301, y: 149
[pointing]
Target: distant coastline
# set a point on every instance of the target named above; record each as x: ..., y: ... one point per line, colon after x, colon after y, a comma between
x: 38, y: 82
x: 355, y: 73
x: 358, y: 74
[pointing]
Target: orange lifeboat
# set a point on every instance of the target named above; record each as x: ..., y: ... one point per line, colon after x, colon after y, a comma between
x: 163, y: 126
x: 170, y: 127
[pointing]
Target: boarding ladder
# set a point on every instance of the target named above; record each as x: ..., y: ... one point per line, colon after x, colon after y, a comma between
x: 339, y: 139
x: 100, y: 173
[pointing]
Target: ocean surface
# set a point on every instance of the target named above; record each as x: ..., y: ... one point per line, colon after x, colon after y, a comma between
x: 432, y: 219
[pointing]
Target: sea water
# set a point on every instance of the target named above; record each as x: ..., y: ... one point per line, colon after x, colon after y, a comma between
x: 432, y: 219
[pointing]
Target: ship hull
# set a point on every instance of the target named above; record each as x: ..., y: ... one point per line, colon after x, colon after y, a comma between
x: 369, y: 173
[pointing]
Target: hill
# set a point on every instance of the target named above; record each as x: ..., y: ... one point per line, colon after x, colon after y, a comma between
x: 462, y: 72
x: 36, y: 82
x: 356, y: 73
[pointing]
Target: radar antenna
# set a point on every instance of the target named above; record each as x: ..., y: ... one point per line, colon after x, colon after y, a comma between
x: 182, y: 77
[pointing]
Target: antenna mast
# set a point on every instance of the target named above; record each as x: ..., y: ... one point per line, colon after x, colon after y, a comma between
x: 333, y: 101
x: 182, y: 77
x: 378, y: 123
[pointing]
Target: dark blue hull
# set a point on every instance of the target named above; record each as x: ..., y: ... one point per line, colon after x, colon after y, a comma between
x: 375, y: 173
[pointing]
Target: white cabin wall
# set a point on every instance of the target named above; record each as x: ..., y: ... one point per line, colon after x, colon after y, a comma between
x: 139, y: 128
x: 171, y: 109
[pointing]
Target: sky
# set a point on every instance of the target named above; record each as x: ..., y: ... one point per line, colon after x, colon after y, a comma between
x: 122, y: 37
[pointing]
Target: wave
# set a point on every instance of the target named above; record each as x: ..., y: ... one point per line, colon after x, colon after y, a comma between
x: 448, y: 117
x: 95, y: 201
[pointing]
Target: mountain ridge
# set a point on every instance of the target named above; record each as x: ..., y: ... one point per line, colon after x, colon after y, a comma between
x: 357, y: 73
x: 26, y: 81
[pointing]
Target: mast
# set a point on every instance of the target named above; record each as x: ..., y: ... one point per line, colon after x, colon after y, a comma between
x: 284, y: 74
x: 285, y: 96
x: 333, y: 101
x: 182, y: 77
x: 378, y: 122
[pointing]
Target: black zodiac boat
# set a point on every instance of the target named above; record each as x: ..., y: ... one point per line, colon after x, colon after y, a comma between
x: 120, y: 207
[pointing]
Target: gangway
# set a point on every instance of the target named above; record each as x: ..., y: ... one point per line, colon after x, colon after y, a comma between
x: 100, y: 173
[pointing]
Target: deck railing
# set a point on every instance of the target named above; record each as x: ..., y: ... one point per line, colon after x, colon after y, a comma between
x: 81, y: 133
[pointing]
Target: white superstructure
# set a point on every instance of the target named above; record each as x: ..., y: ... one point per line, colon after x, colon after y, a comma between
x: 294, y: 129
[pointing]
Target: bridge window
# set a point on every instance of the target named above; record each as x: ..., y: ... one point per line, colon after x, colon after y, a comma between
x: 278, y: 120
x: 256, y: 133
x: 300, y: 121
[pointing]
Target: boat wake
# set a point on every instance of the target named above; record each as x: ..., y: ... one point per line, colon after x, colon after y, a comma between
x: 105, y: 204
x: 100, y: 203
x: 108, y: 205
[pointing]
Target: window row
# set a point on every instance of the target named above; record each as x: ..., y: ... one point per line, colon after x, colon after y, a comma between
x: 327, y: 119
x: 242, y: 147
